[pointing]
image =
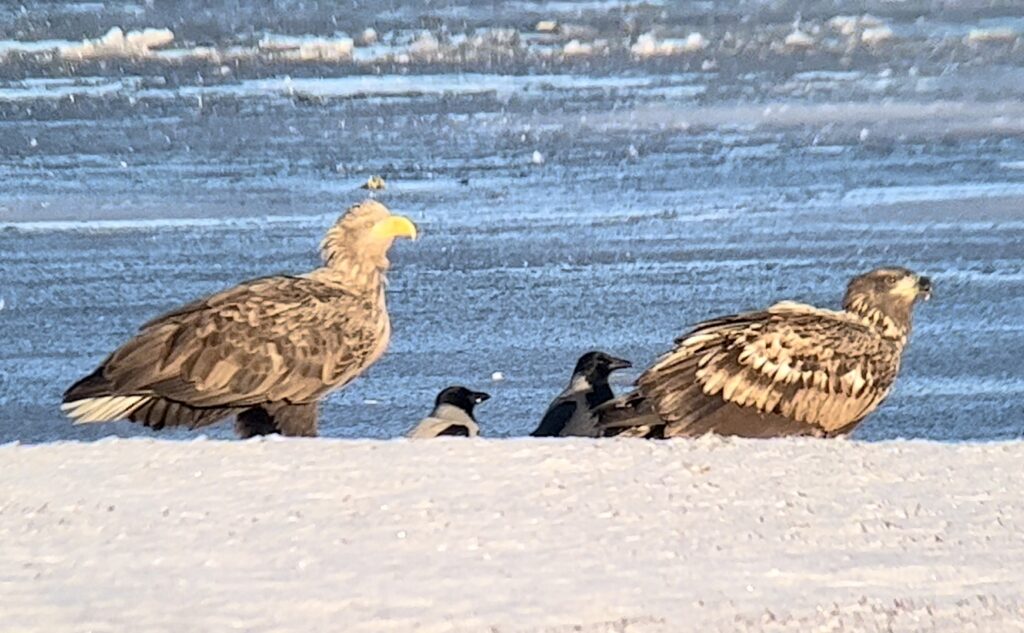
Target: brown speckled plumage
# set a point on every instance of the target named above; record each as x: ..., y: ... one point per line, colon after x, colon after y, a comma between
x: 266, y: 350
x: 792, y: 369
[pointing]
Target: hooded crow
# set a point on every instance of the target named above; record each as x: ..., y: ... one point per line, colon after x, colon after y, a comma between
x: 452, y: 414
x: 571, y: 413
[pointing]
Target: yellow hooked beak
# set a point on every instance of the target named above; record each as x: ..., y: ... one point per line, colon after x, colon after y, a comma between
x: 394, y: 226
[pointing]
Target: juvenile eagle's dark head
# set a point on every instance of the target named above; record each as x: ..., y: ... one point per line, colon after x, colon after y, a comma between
x: 886, y: 297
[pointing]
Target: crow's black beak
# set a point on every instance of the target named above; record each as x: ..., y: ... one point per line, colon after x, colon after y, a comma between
x: 924, y: 286
x: 619, y: 363
x: 479, y: 396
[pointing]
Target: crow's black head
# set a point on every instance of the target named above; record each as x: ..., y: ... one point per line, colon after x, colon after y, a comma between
x: 596, y: 366
x: 461, y: 397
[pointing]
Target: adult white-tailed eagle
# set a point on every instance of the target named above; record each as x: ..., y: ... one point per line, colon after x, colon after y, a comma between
x: 265, y: 351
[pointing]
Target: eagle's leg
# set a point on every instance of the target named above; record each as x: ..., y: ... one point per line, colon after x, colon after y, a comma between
x: 253, y: 422
x: 297, y: 420
x: 286, y: 419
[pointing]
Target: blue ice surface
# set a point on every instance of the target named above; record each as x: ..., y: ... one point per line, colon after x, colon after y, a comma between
x: 668, y: 190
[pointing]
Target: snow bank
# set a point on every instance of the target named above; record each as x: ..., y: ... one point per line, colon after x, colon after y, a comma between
x: 117, y: 43
x: 876, y: 35
x: 303, y: 48
x: 576, y: 48
x: 872, y: 30
x: 799, y: 39
x: 648, y: 45
x: 513, y: 535
x: 845, y: 24
x: 1002, y: 35
x: 426, y: 45
x: 547, y: 39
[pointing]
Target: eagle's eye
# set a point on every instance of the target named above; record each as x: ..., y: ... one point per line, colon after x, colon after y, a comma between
x: 891, y: 280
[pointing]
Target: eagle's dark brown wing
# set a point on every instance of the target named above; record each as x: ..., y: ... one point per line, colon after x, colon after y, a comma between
x: 274, y: 339
x: 789, y: 370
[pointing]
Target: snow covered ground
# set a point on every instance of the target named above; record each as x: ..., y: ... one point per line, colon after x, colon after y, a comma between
x: 511, y: 536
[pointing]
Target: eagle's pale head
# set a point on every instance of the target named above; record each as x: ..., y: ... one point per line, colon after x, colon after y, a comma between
x: 362, y: 236
x: 886, y: 297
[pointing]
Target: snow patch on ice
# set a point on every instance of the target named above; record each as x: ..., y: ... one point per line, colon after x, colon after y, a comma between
x: 368, y: 36
x: 799, y: 39
x: 845, y: 24
x: 876, y: 35
x: 426, y: 45
x: 306, y: 48
x: 872, y: 31
x: 649, y: 45
x: 999, y: 34
x: 117, y: 43
x: 577, y: 48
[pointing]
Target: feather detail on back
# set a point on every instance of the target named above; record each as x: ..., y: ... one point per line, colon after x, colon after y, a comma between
x: 274, y: 339
x: 791, y: 369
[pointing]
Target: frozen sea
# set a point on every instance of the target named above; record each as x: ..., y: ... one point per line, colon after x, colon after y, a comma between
x: 586, y: 175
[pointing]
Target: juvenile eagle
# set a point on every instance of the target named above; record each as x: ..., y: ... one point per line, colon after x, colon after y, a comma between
x: 265, y: 351
x: 452, y: 414
x: 792, y: 369
x: 571, y: 413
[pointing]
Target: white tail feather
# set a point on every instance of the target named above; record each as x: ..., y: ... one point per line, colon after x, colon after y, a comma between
x: 102, y: 409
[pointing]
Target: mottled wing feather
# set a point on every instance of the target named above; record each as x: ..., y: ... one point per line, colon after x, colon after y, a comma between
x: 217, y: 299
x: 273, y: 339
x: 816, y: 367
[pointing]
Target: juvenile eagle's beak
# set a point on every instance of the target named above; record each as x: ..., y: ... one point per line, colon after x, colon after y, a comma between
x: 479, y: 396
x: 924, y: 288
x: 394, y: 226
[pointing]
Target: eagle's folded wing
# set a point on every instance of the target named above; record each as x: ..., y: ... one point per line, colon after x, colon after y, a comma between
x: 272, y: 339
x: 808, y: 366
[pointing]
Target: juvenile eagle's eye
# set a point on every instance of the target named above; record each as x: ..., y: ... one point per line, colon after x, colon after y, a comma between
x: 891, y: 280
